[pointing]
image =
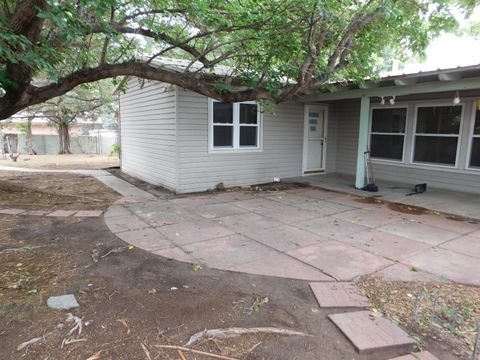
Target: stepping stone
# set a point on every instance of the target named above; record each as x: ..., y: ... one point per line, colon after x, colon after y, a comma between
x: 368, y: 332
x: 88, y: 213
x: 62, y: 213
x: 422, y: 355
x: 339, y: 294
x: 62, y: 302
x: 11, y: 211
x: 36, y: 213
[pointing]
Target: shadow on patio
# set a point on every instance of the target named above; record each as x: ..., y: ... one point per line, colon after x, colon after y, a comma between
x: 441, y: 200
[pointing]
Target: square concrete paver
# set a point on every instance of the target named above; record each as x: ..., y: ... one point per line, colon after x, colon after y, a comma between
x: 401, y: 272
x: 88, y: 213
x: 289, y: 198
x: 11, y: 211
x: 449, y: 264
x: 318, y: 194
x: 358, y: 202
x: 383, y: 243
x: 124, y: 223
x: 331, y: 227
x: 147, y: 239
x: 367, y: 217
x: 459, y: 225
x: 62, y: 213
x: 196, y: 200
x: 422, y: 355
x: 175, y: 253
x: 243, y: 223
x: 229, y: 251
x: 467, y: 245
x: 212, y: 211
x: 339, y: 294
x: 324, y: 208
x: 282, y: 266
x: 419, y: 232
x: 284, y: 237
x: 36, y: 213
x: 287, y: 214
x: 368, y: 332
x: 116, y: 210
x: 194, y: 231
x: 259, y: 204
x: 339, y: 260
x: 475, y: 233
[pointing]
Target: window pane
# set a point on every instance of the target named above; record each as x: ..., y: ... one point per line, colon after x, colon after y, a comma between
x: 439, y: 120
x: 389, y: 120
x: 248, y: 136
x: 222, y: 135
x: 436, y: 149
x: 475, y: 157
x: 222, y: 113
x: 248, y: 114
x: 387, y: 146
x: 476, y: 129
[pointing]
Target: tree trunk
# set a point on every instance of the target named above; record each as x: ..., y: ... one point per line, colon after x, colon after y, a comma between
x: 64, y: 137
x: 28, y: 135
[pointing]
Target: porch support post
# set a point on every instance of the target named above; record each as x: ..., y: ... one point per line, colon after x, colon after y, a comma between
x: 360, y: 181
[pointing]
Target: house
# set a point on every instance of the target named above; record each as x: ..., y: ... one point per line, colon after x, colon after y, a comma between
x: 420, y: 127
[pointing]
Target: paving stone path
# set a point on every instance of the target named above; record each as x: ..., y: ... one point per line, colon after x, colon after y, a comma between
x: 56, y: 213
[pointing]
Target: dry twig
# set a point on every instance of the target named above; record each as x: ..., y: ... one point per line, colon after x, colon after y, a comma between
x: 232, y: 332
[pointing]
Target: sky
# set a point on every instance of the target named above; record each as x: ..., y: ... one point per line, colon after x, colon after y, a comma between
x: 449, y: 51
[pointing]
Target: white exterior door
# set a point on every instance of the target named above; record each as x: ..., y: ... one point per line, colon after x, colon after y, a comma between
x: 315, y: 140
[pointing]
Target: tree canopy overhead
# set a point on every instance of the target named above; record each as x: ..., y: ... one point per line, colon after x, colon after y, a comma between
x: 278, y: 49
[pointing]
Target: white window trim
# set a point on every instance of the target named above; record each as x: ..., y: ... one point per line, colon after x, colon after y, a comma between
x: 458, y: 136
x: 472, y: 136
x: 236, y: 148
x: 382, y: 160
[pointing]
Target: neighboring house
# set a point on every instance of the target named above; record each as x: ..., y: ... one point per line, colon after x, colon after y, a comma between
x: 187, y: 142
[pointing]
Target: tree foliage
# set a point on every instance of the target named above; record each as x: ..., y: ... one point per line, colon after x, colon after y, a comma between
x: 277, y: 49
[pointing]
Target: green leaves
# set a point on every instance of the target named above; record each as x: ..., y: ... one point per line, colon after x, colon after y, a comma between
x: 271, y: 45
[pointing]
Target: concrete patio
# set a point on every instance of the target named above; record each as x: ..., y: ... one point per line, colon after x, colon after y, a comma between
x: 446, y: 201
x: 302, y: 233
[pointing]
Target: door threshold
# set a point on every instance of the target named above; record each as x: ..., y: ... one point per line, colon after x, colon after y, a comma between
x: 313, y: 172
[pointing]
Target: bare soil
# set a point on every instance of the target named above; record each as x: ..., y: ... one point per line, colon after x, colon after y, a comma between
x: 134, y: 300
x: 63, y: 162
x: 53, y: 191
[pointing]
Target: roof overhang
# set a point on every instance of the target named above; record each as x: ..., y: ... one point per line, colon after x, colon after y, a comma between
x: 455, y: 79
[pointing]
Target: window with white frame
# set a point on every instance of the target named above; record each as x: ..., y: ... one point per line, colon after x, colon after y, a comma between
x: 437, y: 134
x: 387, y: 133
x: 234, y: 126
x: 475, y: 145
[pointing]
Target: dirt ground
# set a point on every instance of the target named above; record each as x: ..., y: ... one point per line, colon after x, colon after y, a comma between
x: 64, y: 162
x: 134, y: 301
x: 53, y: 191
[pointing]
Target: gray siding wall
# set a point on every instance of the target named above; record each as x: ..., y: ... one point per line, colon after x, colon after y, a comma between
x: 346, y: 115
x: 347, y: 121
x: 200, y: 170
x: 148, y: 132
